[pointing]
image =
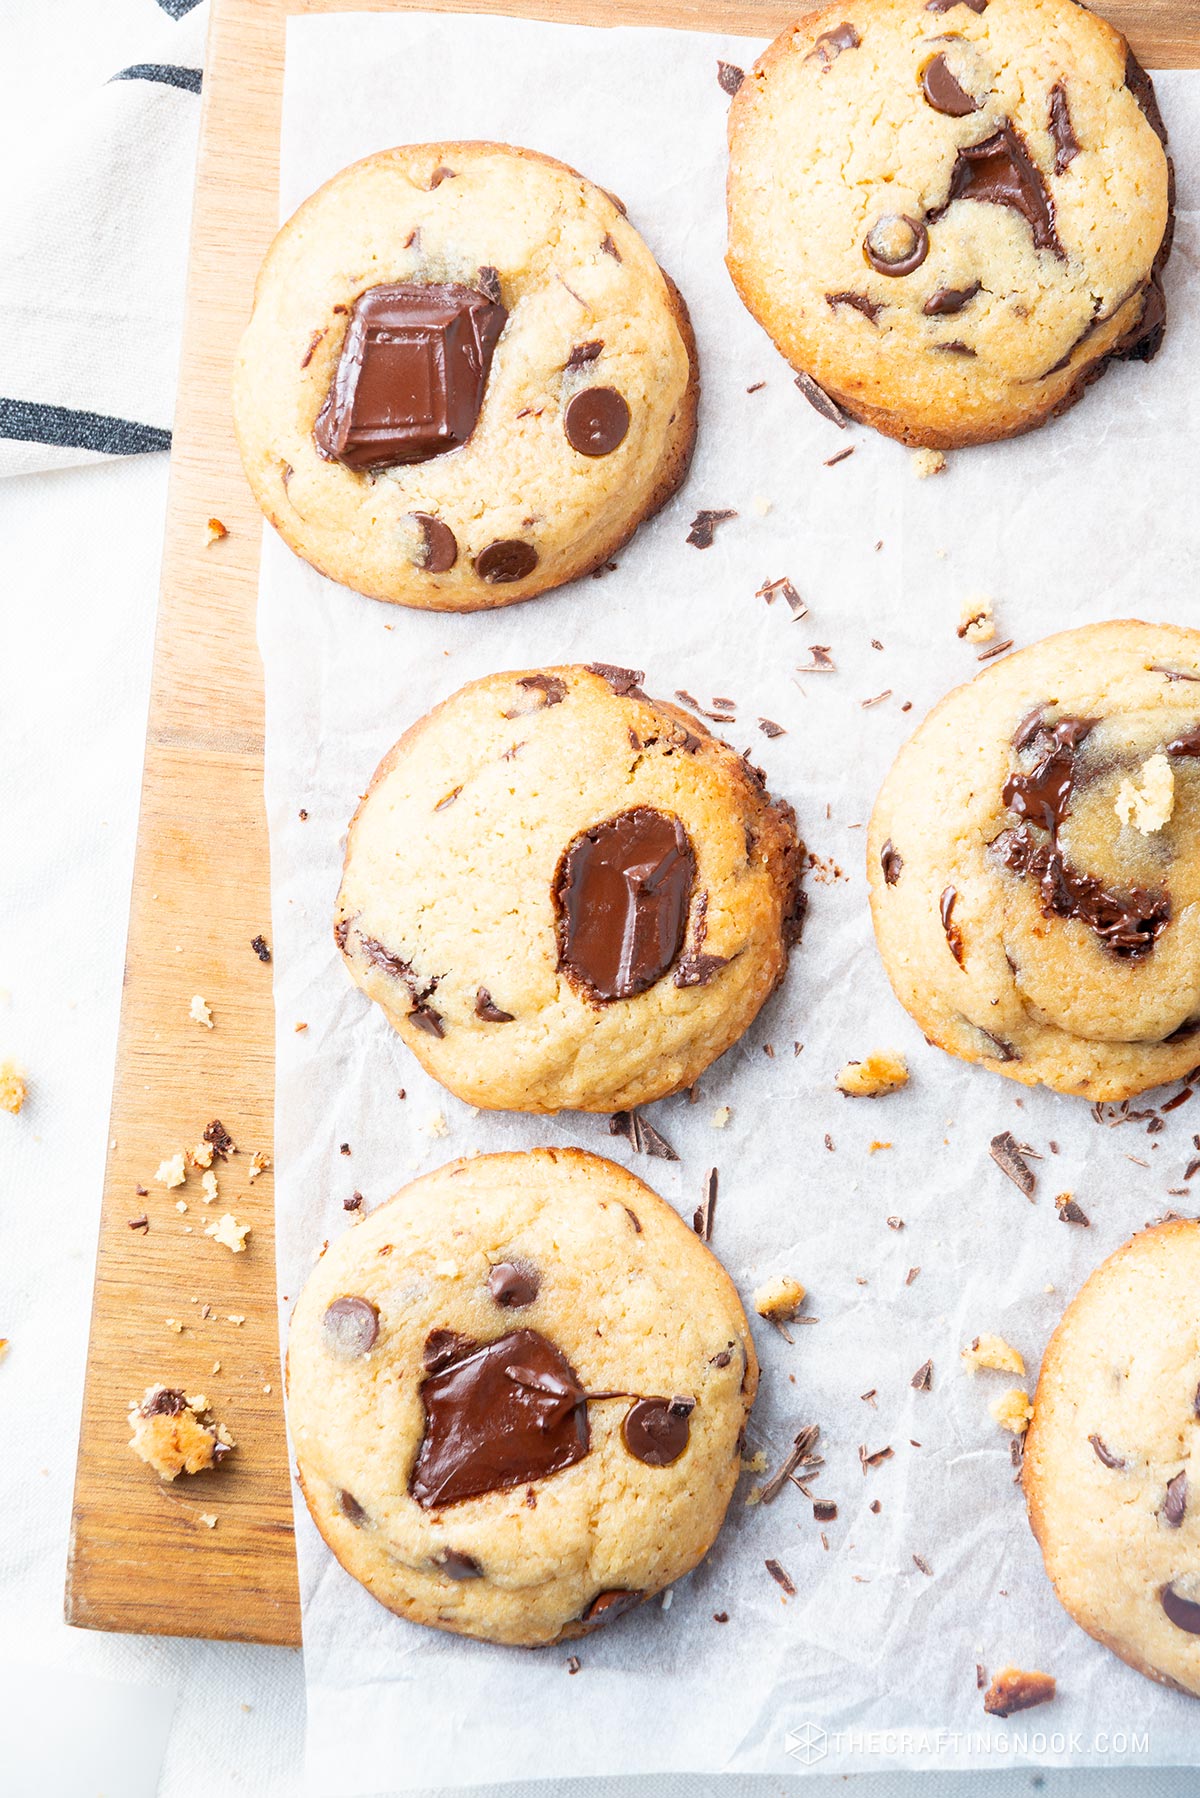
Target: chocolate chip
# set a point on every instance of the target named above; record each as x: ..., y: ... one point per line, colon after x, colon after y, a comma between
x: 489, y: 1012
x: 410, y: 379
x: 351, y: 1510
x: 859, y: 301
x: 829, y: 46
x: 944, y: 93
x: 438, y: 176
x: 458, y: 1566
x: 1001, y: 172
x: 896, y: 244
x: 1184, y: 1613
x: 505, y: 1415
x: 443, y: 1347
x: 351, y: 1326
x: 596, y: 421
x: 510, y: 559
x: 514, y: 1284
x: 439, y: 547
x: 949, y: 300
x: 656, y: 1430
x: 892, y: 862
x: 1104, y: 1453
x: 607, y: 1605
x: 730, y: 77
x: 621, y: 896
x: 1175, y: 1502
x: 1066, y: 144
x: 609, y: 247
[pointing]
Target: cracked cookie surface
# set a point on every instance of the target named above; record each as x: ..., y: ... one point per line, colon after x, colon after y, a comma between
x: 564, y: 893
x: 516, y: 1393
x: 1034, y: 863
x: 1112, y: 1456
x: 951, y: 214
x: 465, y: 380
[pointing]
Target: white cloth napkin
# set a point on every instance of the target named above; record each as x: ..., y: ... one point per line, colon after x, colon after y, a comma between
x: 93, y: 252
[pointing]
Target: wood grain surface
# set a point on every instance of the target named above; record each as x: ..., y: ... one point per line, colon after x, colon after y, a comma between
x: 141, y: 1558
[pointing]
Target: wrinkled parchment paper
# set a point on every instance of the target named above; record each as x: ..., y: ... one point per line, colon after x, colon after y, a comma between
x: 1093, y: 518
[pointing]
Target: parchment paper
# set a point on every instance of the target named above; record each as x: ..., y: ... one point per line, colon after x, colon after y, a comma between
x: 1092, y: 518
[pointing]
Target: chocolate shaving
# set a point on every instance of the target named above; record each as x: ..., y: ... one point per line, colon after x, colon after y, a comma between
x: 780, y: 1577
x: 140, y: 1223
x: 820, y: 401
x: 1071, y: 1213
x: 922, y: 1565
x: 704, y: 525
x: 702, y: 1220
x: 626, y: 683
x: 824, y: 1510
x: 832, y: 461
x: 822, y: 662
x: 803, y: 1444
x: 1007, y: 1153
x: 488, y: 1011
x: 922, y: 1380
x: 873, y: 1460
x: 785, y: 589
x: 769, y: 728
x: 642, y: 1137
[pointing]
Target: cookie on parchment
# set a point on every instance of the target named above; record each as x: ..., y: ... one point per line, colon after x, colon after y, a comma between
x: 466, y: 380
x: 564, y: 893
x: 1034, y: 862
x: 516, y: 1394
x: 951, y: 214
x: 1112, y: 1456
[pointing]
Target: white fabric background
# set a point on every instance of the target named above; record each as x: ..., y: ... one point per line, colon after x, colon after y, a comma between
x: 82, y: 1714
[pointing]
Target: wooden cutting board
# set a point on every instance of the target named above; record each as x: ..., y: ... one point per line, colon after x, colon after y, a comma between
x: 142, y: 1557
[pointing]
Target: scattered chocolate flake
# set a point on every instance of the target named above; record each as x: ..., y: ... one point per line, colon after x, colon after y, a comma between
x: 922, y: 1565
x: 757, y: 387
x: 260, y: 948
x: 911, y: 1275
x: 222, y: 1143
x: 704, y: 525
x: 642, y: 1137
x: 783, y: 588
x: 1172, y: 673
x: 730, y: 77
x: 822, y: 662
x: 353, y: 1203
x: 345, y: 1149
x: 878, y: 699
x: 1104, y: 1453
x: 780, y: 1577
x: 824, y: 1510
x: 720, y: 1616
x: 875, y: 1459
x: 868, y: 1398
x: 803, y: 1444
x: 1009, y: 1157
x: 1071, y: 1213
x: 140, y: 1223
x: 895, y: 1223
x: 820, y: 401
x: 685, y: 698
x: 573, y: 1663
x: 994, y: 649
x: 832, y: 461
x: 303, y: 816
x: 702, y: 1221
x: 488, y: 1011
x: 922, y: 1380
x: 769, y: 728
x: 626, y: 683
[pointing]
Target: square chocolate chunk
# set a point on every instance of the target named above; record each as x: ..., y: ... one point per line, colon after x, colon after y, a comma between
x: 410, y: 380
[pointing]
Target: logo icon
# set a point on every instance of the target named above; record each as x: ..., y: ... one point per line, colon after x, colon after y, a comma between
x: 808, y: 1744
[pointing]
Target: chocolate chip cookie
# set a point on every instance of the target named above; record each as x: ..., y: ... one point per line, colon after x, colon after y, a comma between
x: 1112, y: 1456
x: 516, y: 1395
x: 564, y: 893
x: 466, y: 380
x: 1034, y: 860
x: 951, y: 214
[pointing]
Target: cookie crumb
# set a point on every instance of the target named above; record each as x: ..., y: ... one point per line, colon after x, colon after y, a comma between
x: 761, y: 505
x: 208, y: 1519
x: 882, y: 1071
x: 992, y: 1352
x: 926, y: 462
x: 13, y: 1086
x: 216, y: 530
x: 259, y: 1163
x: 1148, y: 806
x: 1014, y: 1690
x: 172, y: 1433
x: 199, y: 1012
x: 172, y: 1171
x: 721, y: 1117
x: 227, y: 1230
x: 975, y: 621
x: 208, y: 1184
x: 1012, y: 1410
x: 201, y: 1155
x: 779, y: 1300
x: 435, y: 1125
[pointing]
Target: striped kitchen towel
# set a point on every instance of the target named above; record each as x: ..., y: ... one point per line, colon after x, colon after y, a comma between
x: 93, y: 250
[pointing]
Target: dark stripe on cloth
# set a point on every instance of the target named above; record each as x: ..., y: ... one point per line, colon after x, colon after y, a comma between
x: 169, y: 73
x: 178, y: 8
x: 23, y: 421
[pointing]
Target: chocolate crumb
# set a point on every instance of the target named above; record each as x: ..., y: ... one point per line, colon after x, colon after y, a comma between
x: 720, y: 1616
x: 784, y: 589
x: 757, y: 387
x: 704, y: 525
x: 573, y: 1663
x: 260, y: 948
x: 769, y: 728
x: 353, y: 1203
x: 140, y: 1223
x: 824, y: 1510
x: 730, y: 77
x: 219, y: 1137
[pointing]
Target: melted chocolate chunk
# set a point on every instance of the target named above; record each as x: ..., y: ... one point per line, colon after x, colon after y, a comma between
x: 351, y: 1326
x: 444, y: 1346
x: 596, y: 421
x: 656, y: 1430
x: 946, y: 5
x: 1184, y: 1613
x: 891, y: 861
x: 489, y: 1012
x: 1001, y: 172
x: 1066, y: 144
x: 439, y: 546
x: 1128, y: 924
x: 953, y: 933
x: 1105, y: 1454
x: 944, y: 93
x: 607, y: 1605
x: 410, y: 379
x: 1187, y: 745
x: 621, y: 896
x: 1175, y: 1503
x: 896, y: 244
x: 949, y: 300
x: 730, y: 77
x: 1142, y: 89
x: 829, y: 46
x: 1044, y: 795
x: 458, y: 1566
x: 869, y: 308
x: 695, y: 968
x: 510, y: 559
x: 351, y: 1510
x: 514, y: 1284
x: 502, y: 1416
